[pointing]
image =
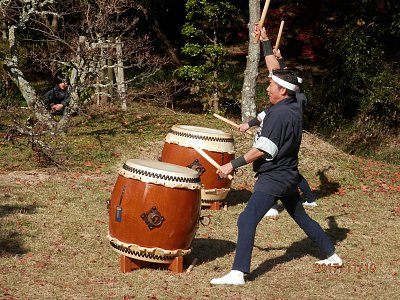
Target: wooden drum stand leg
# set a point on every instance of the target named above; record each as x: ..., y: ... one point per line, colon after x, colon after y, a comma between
x: 177, y: 265
x: 216, y: 205
x: 127, y: 264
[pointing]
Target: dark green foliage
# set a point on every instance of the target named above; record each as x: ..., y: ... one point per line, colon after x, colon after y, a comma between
x: 395, y: 23
x: 207, y: 56
x: 356, y: 102
x: 361, y: 84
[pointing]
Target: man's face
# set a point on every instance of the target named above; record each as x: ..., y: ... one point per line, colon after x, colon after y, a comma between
x: 63, y: 85
x: 275, y: 92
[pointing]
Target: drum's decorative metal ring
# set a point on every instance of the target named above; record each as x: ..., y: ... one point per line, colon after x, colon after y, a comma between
x: 201, y: 137
x: 161, y: 176
x: 239, y: 173
x: 197, y: 166
x: 205, y: 220
x: 152, y: 218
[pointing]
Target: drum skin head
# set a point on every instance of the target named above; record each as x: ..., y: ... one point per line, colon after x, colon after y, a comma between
x: 162, y: 173
x: 206, y: 138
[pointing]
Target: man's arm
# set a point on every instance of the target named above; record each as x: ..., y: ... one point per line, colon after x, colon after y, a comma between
x: 65, y: 101
x: 48, y: 97
x: 253, y: 122
x: 278, y: 56
x: 251, y: 155
x: 270, y: 59
x: 47, y: 94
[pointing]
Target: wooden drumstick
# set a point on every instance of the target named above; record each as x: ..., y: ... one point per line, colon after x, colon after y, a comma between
x: 192, y: 265
x: 278, y: 39
x: 207, y: 157
x: 261, y: 22
x: 230, y: 122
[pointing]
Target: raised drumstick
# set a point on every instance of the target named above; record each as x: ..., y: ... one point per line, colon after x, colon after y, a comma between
x: 261, y: 22
x: 230, y: 122
x: 207, y: 157
x: 278, y: 39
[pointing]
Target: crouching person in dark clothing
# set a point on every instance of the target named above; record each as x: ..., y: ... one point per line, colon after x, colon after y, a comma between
x: 57, y: 99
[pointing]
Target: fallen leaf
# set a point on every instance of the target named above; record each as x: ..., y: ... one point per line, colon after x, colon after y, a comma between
x: 396, y: 211
x: 340, y: 192
x: 88, y: 163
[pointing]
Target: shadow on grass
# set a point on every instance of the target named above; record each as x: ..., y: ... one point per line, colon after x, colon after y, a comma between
x: 210, y: 249
x: 100, y: 132
x: 326, y: 187
x: 236, y: 197
x: 114, y: 123
x: 11, y: 241
x: 299, y: 249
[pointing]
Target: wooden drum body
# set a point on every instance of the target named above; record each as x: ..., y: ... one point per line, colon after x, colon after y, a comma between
x: 154, y: 210
x: 217, y: 144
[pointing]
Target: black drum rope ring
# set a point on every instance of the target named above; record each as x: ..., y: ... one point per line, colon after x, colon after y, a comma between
x: 201, y: 137
x: 160, y: 176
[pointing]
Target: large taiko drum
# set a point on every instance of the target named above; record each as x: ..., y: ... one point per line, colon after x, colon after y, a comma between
x: 154, y: 210
x: 217, y: 144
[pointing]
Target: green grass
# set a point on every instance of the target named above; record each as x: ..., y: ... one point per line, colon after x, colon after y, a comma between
x: 53, y: 222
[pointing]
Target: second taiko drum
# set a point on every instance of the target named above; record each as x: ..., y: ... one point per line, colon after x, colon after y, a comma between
x: 217, y: 144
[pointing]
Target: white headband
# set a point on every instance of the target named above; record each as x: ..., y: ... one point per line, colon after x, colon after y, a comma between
x: 284, y: 83
x: 299, y: 79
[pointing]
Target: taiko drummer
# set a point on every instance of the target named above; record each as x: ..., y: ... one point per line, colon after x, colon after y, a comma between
x: 275, y: 160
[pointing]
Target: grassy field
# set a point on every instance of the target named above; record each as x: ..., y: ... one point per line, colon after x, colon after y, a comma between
x: 54, y: 221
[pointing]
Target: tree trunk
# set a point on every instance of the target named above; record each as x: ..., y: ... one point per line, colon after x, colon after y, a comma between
x: 251, y: 72
x: 102, y: 79
x: 77, y: 73
x: 163, y: 38
x: 167, y: 44
x: 120, y: 76
x: 215, y: 93
x: 215, y: 75
x: 3, y: 29
x: 24, y: 86
x: 110, y: 69
x: 110, y: 78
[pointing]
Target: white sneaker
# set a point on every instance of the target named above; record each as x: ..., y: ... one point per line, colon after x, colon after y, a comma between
x: 310, y: 204
x: 333, y: 260
x: 272, y: 213
x: 233, y: 277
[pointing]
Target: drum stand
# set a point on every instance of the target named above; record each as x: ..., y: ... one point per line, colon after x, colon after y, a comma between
x: 128, y: 264
x: 216, y: 205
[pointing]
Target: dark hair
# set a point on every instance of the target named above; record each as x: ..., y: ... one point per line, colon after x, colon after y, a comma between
x: 296, y: 71
x: 299, y: 74
x: 61, y: 78
x: 289, y: 76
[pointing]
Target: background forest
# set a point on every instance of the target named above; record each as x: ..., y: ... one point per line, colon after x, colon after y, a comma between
x: 191, y: 56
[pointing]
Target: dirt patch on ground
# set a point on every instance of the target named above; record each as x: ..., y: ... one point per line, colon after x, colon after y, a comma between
x: 30, y: 177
